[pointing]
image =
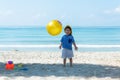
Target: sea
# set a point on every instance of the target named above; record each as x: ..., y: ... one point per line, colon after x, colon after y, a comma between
x: 87, y: 38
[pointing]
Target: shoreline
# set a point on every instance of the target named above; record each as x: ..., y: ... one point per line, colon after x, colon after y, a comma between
x: 52, y: 46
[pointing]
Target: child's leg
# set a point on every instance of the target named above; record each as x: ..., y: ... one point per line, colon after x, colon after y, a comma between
x: 64, y: 62
x: 70, y: 62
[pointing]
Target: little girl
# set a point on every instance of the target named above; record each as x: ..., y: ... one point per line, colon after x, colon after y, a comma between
x: 66, y: 43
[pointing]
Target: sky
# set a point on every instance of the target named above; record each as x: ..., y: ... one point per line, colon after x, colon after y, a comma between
x: 72, y: 12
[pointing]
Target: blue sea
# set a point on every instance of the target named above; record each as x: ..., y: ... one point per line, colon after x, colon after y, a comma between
x: 31, y: 35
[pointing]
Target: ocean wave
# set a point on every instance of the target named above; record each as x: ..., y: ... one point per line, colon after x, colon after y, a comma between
x: 82, y: 46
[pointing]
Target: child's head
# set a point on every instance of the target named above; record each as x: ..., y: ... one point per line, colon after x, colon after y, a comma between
x: 68, y: 30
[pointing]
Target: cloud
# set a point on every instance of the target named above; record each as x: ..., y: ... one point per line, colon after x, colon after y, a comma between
x: 117, y: 10
x: 39, y: 15
x: 89, y: 16
x: 113, y: 11
x: 107, y: 11
x: 6, y: 13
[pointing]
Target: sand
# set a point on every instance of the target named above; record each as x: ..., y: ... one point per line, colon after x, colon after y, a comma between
x: 48, y: 66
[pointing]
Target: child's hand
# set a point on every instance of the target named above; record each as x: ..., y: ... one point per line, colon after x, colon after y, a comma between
x: 76, y: 48
x: 60, y: 47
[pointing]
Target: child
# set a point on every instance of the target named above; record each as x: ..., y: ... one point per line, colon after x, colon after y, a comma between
x: 66, y: 43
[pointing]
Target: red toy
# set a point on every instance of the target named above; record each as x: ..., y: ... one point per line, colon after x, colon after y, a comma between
x: 9, y: 65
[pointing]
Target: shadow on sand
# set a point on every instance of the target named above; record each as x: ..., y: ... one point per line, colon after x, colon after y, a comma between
x: 78, y: 70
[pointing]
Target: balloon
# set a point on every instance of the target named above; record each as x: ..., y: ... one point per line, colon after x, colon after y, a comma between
x: 54, y: 27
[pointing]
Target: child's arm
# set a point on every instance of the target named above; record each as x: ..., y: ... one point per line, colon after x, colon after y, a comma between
x: 76, y: 48
x: 60, y: 45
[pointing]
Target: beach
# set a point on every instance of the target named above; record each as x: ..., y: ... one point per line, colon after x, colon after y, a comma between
x: 43, y: 65
x: 34, y: 34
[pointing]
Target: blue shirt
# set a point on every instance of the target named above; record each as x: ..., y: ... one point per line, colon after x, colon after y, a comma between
x: 67, y: 41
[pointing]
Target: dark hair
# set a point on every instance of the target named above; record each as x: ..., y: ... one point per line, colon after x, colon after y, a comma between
x: 68, y: 27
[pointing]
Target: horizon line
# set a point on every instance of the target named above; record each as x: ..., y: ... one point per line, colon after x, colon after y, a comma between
x: 63, y: 26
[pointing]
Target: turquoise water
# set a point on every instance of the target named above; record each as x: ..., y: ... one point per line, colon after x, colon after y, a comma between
x: 39, y: 36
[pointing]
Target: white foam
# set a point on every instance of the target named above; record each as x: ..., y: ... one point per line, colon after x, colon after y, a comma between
x: 42, y: 46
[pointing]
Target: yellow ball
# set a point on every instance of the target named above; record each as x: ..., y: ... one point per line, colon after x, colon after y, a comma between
x: 54, y: 27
